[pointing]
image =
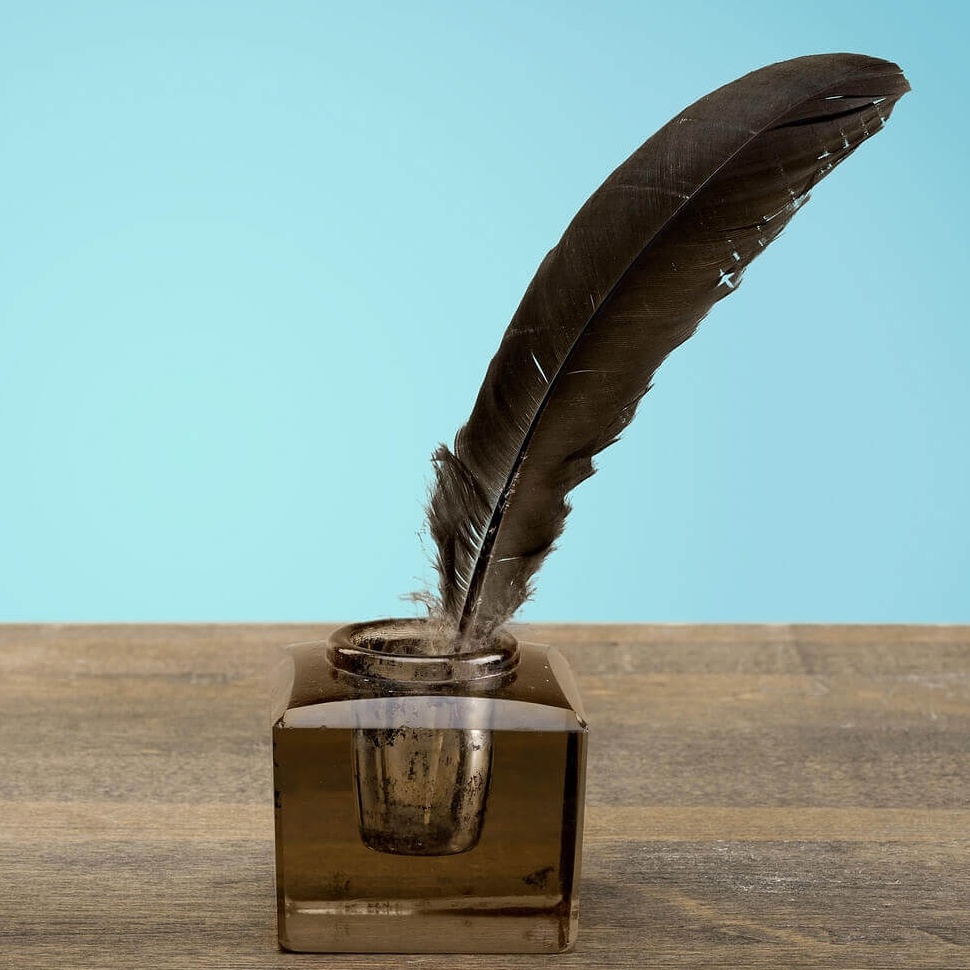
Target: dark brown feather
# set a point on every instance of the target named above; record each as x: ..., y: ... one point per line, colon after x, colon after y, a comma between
x: 661, y: 241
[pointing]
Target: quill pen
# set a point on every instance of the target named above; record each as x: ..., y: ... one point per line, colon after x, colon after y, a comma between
x: 665, y: 237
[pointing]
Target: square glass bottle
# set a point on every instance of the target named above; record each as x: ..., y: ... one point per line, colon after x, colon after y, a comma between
x: 427, y: 803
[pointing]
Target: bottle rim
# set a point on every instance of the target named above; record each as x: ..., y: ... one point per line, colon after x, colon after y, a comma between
x: 399, y: 652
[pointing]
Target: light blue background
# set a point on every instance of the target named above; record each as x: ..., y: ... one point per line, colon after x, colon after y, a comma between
x: 256, y: 256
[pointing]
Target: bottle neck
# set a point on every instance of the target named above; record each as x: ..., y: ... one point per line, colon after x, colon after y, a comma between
x: 403, y: 655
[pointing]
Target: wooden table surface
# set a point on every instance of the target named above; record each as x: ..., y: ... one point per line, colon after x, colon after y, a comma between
x: 758, y: 796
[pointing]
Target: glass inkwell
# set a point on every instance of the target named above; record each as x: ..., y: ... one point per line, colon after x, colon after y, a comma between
x: 427, y: 803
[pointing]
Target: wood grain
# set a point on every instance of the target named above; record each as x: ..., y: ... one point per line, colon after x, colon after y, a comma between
x: 759, y: 796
